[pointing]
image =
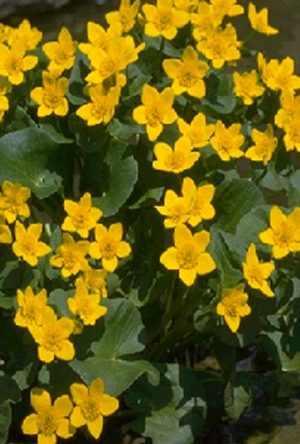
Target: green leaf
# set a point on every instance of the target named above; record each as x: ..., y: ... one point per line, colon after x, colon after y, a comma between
x: 123, y: 174
x: 124, y: 131
x: 250, y: 225
x: 220, y: 96
x: 9, y: 390
x: 5, y: 420
x: 58, y: 299
x: 233, y: 200
x: 24, y: 158
x: 112, y: 360
x: 173, y: 411
x: 236, y: 399
x: 231, y: 274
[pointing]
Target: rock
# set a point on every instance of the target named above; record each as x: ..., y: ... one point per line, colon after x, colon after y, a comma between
x: 10, y: 7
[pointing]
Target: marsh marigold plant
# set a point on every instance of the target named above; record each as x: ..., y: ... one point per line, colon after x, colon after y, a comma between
x: 149, y: 225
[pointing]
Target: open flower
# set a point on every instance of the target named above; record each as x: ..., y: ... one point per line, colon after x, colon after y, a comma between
x: 95, y: 280
x: 4, y: 103
x: 82, y: 217
x: 49, y: 421
x: 156, y: 110
x: 51, y: 96
x: 246, y: 86
x: 175, y: 160
x: 189, y: 255
x: 220, y: 45
x: 279, y: 76
x: 228, y: 141
x: 91, y: 405
x: 70, y: 256
x: 27, y: 245
x: 198, y: 132
x: 175, y: 208
x: 52, y: 337
x: 233, y: 306
x: 259, y: 20
x: 187, y: 73
x: 257, y: 273
x: 284, y: 232
x: 125, y: 16
x: 13, y: 201
x: 14, y: 62
x: 61, y: 53
x: 264, y: 147
x: 163, y: 19
x: 101, y: 108
x: 109, y: 245
x: 86, y: 306
x: 25, y: 35
x: 31, y: 307
x: 200, y: 201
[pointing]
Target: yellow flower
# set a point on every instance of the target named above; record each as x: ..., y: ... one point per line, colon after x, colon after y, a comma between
x: 200, y: 201
x: 256, y: 273
x: 189, y: 255
x: 220, y: 45
x: 265, y: 145
x: 233, y: 306
x: 61, y: 53
x: 5, y: 233
x: 95, y: 280
x: 175, y: 160
x: 14, y: 62
x: 107, y: 63
x: 156, y: 110
x: 27, y: 36
x: 292, y: 137
x: 125, y: 16
x: 259, y: 20
x: 226, y: 7
x: 203, y: 20
x: 52, y: 337
x: 163, y: 19
x: 187, y: 73
x: 91, y: 405
x: 198, y: 132
x: 86, y: 306
x: 228, y: 141
x: 4, y: 103
x: 176, y: 209
x: 278, y: 76
x: 49, y: 421
x: 13, y: 201
x: 290, y: 109
x: 51, y: 97
x: 5, y: 33
x: 98, y: 38
x: 186, y: 5
x: 82, y: 217
x: 102, y: 106
x: 31, y: 307
x: 246, y: 86
x: 27, y: 246
x: 70, y: 256
x: 283, y: 233
x: 109, y: 246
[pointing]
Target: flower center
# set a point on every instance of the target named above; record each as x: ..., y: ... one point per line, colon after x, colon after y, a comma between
x: 109, y: 249
x: 90, y: 409
x: 52, y: 339
x: 153, y: 117
x: 176, y: 160
x: 47, y: 424
x: 187, y: 257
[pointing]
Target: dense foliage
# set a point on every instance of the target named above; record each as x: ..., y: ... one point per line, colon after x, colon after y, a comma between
x: 149, y: 227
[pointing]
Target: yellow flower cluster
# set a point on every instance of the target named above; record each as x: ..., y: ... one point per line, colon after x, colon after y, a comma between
x: 87, y: 407
x: 34, y: 313
x: 109, y: 52
x: 283, y: 236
